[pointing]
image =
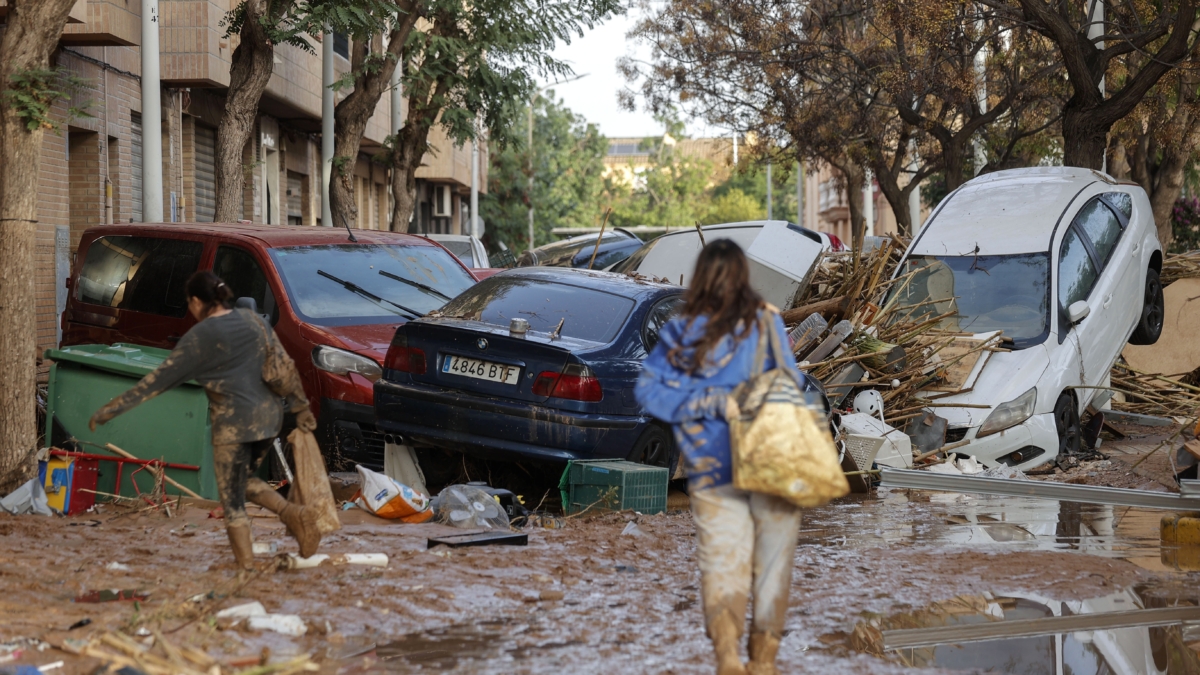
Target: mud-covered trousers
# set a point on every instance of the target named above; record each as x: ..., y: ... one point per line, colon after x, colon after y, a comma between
x: 234, y: 464
x: 746, y: 546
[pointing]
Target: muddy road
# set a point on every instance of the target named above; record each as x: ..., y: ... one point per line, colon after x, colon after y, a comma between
x: 587, y: 599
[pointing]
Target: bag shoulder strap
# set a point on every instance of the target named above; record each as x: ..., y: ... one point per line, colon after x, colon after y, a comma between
x: 760, y: 350
x: 767, y: 325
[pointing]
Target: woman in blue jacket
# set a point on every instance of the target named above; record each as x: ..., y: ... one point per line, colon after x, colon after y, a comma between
x: 746, y: 541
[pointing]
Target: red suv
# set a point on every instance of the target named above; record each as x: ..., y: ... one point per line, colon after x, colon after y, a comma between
x: 334, y: 303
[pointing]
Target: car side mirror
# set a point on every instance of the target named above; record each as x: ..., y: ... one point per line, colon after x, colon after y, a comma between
x: 1078, y: 311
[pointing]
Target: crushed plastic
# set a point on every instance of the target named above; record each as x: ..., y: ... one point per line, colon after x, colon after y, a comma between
x: 29, y: 498
x: 467, y: 506
x: 1005, y: 471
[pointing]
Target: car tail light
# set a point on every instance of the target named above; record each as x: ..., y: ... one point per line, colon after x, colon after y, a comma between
x: 576, y: 382
x: 835, y: 243
x: 403, y: 358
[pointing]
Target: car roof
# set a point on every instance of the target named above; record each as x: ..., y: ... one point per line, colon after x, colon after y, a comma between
x: 1006, y: 212
x: 609, y: 282
x: 267, y: 236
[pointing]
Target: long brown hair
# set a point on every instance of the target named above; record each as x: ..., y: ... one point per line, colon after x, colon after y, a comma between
x: 720, y: 290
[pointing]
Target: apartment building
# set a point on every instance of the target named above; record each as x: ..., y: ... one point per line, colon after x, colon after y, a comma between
x: 91, y: 171
x: 826, y: 208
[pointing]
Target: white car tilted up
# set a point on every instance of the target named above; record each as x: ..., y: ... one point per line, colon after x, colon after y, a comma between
x: 1065, y: 263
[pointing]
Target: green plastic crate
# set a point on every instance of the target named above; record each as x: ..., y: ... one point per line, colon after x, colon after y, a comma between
x: 639, y: 487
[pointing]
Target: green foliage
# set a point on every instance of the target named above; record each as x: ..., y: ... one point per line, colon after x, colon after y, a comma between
x: 33, y: 93
x: 568, y: 163
x: 672, y: 191
x: 735, y: 206
x: 478, y: 60
x: 1185, y: 225
x: 293, y: 22
x: 752, y: 182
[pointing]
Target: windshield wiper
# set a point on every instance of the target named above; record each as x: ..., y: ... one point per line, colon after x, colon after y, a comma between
x: 417, y: 284
x: 351, y: 286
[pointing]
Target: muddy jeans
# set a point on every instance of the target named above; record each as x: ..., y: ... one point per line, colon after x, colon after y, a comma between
x: 746, y: 542
x: 233, y: 463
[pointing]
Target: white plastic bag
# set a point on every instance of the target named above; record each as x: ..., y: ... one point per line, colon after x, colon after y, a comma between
x: 388, y: 499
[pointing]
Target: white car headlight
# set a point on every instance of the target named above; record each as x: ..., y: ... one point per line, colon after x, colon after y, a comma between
x: 1009, y: 414
x: 342, y: 362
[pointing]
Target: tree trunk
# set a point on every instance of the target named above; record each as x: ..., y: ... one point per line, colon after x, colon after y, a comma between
x: 31, y: 35
x: 1084, y: 140
x: 954, y: 161
x: 854, y: 176
x: 249, y: 73
x: 896, y: 196
x: 408, y: 150
x: 354, y: 112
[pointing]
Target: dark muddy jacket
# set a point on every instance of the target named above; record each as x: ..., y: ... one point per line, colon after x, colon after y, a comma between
x: 225, y: 354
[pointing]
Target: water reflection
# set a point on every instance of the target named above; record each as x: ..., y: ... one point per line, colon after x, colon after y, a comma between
x: 981, y: 522
x: 977, y: 633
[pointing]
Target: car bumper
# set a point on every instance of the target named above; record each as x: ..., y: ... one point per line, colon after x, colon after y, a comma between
x: 1037, y: 432
x: 500, y: 429
x: 348, y: 435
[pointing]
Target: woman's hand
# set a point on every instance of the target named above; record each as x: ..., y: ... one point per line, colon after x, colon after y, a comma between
x: 101, y: 417
x: 305, y: 421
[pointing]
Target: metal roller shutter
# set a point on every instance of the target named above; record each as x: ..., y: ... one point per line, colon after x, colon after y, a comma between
x: 136, y: 145
x: 206, y: 174
x: 295, y: 187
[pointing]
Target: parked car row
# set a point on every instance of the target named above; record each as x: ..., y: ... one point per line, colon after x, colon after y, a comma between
x: 396, y: 338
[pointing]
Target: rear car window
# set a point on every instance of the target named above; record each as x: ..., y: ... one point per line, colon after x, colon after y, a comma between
x: 1122, y: 201
x: 586, y: 313
x: 1102, y: 228
x: 141, y: 274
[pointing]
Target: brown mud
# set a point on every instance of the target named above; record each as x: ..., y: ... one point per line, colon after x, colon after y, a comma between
x: 582, y: 599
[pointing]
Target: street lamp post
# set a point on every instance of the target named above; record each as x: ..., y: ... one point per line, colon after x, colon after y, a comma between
x: 529, y: 148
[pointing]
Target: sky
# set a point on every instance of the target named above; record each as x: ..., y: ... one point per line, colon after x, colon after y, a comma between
x: 595, y: 96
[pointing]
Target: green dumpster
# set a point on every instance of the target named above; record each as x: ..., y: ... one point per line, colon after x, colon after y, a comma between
x: 172, y: 427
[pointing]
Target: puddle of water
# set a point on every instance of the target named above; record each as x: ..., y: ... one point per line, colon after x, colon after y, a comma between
x: 982, y: 522
x: 111, y: 596
x: 1029, y: 635
x: 460, y: 645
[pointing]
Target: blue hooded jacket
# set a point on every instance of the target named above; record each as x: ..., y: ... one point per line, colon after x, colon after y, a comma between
x: 694, y: 404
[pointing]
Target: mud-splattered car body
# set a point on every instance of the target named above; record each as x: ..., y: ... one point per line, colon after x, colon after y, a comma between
x: 127, y: 286
x: 569, y: 393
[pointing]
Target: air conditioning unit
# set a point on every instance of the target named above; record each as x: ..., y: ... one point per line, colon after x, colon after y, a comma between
x: 442, y: 206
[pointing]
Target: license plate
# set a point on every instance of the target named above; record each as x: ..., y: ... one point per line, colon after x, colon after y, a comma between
x: 481, y: 370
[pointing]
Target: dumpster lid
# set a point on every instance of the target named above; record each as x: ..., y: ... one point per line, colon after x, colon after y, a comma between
x: 120, y: 358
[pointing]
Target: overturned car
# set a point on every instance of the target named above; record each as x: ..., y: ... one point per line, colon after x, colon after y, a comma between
x: 1060, y: 267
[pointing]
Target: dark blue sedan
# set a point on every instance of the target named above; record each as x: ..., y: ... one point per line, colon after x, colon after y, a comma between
x: 534, y: 363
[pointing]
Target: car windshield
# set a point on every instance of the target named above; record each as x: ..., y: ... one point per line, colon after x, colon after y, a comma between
x: 345, y: 284
x: 1009, y: 293
x: 585, y: 313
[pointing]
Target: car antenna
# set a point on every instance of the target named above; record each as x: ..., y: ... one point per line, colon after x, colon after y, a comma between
x: 349, y: 231
x: 558, y: 329
x: 701, y: 233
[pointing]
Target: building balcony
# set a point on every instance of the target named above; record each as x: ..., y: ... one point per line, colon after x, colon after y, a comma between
x: 102, y: 23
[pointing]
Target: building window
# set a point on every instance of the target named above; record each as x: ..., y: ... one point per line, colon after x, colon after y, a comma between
x: 341, y: 45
